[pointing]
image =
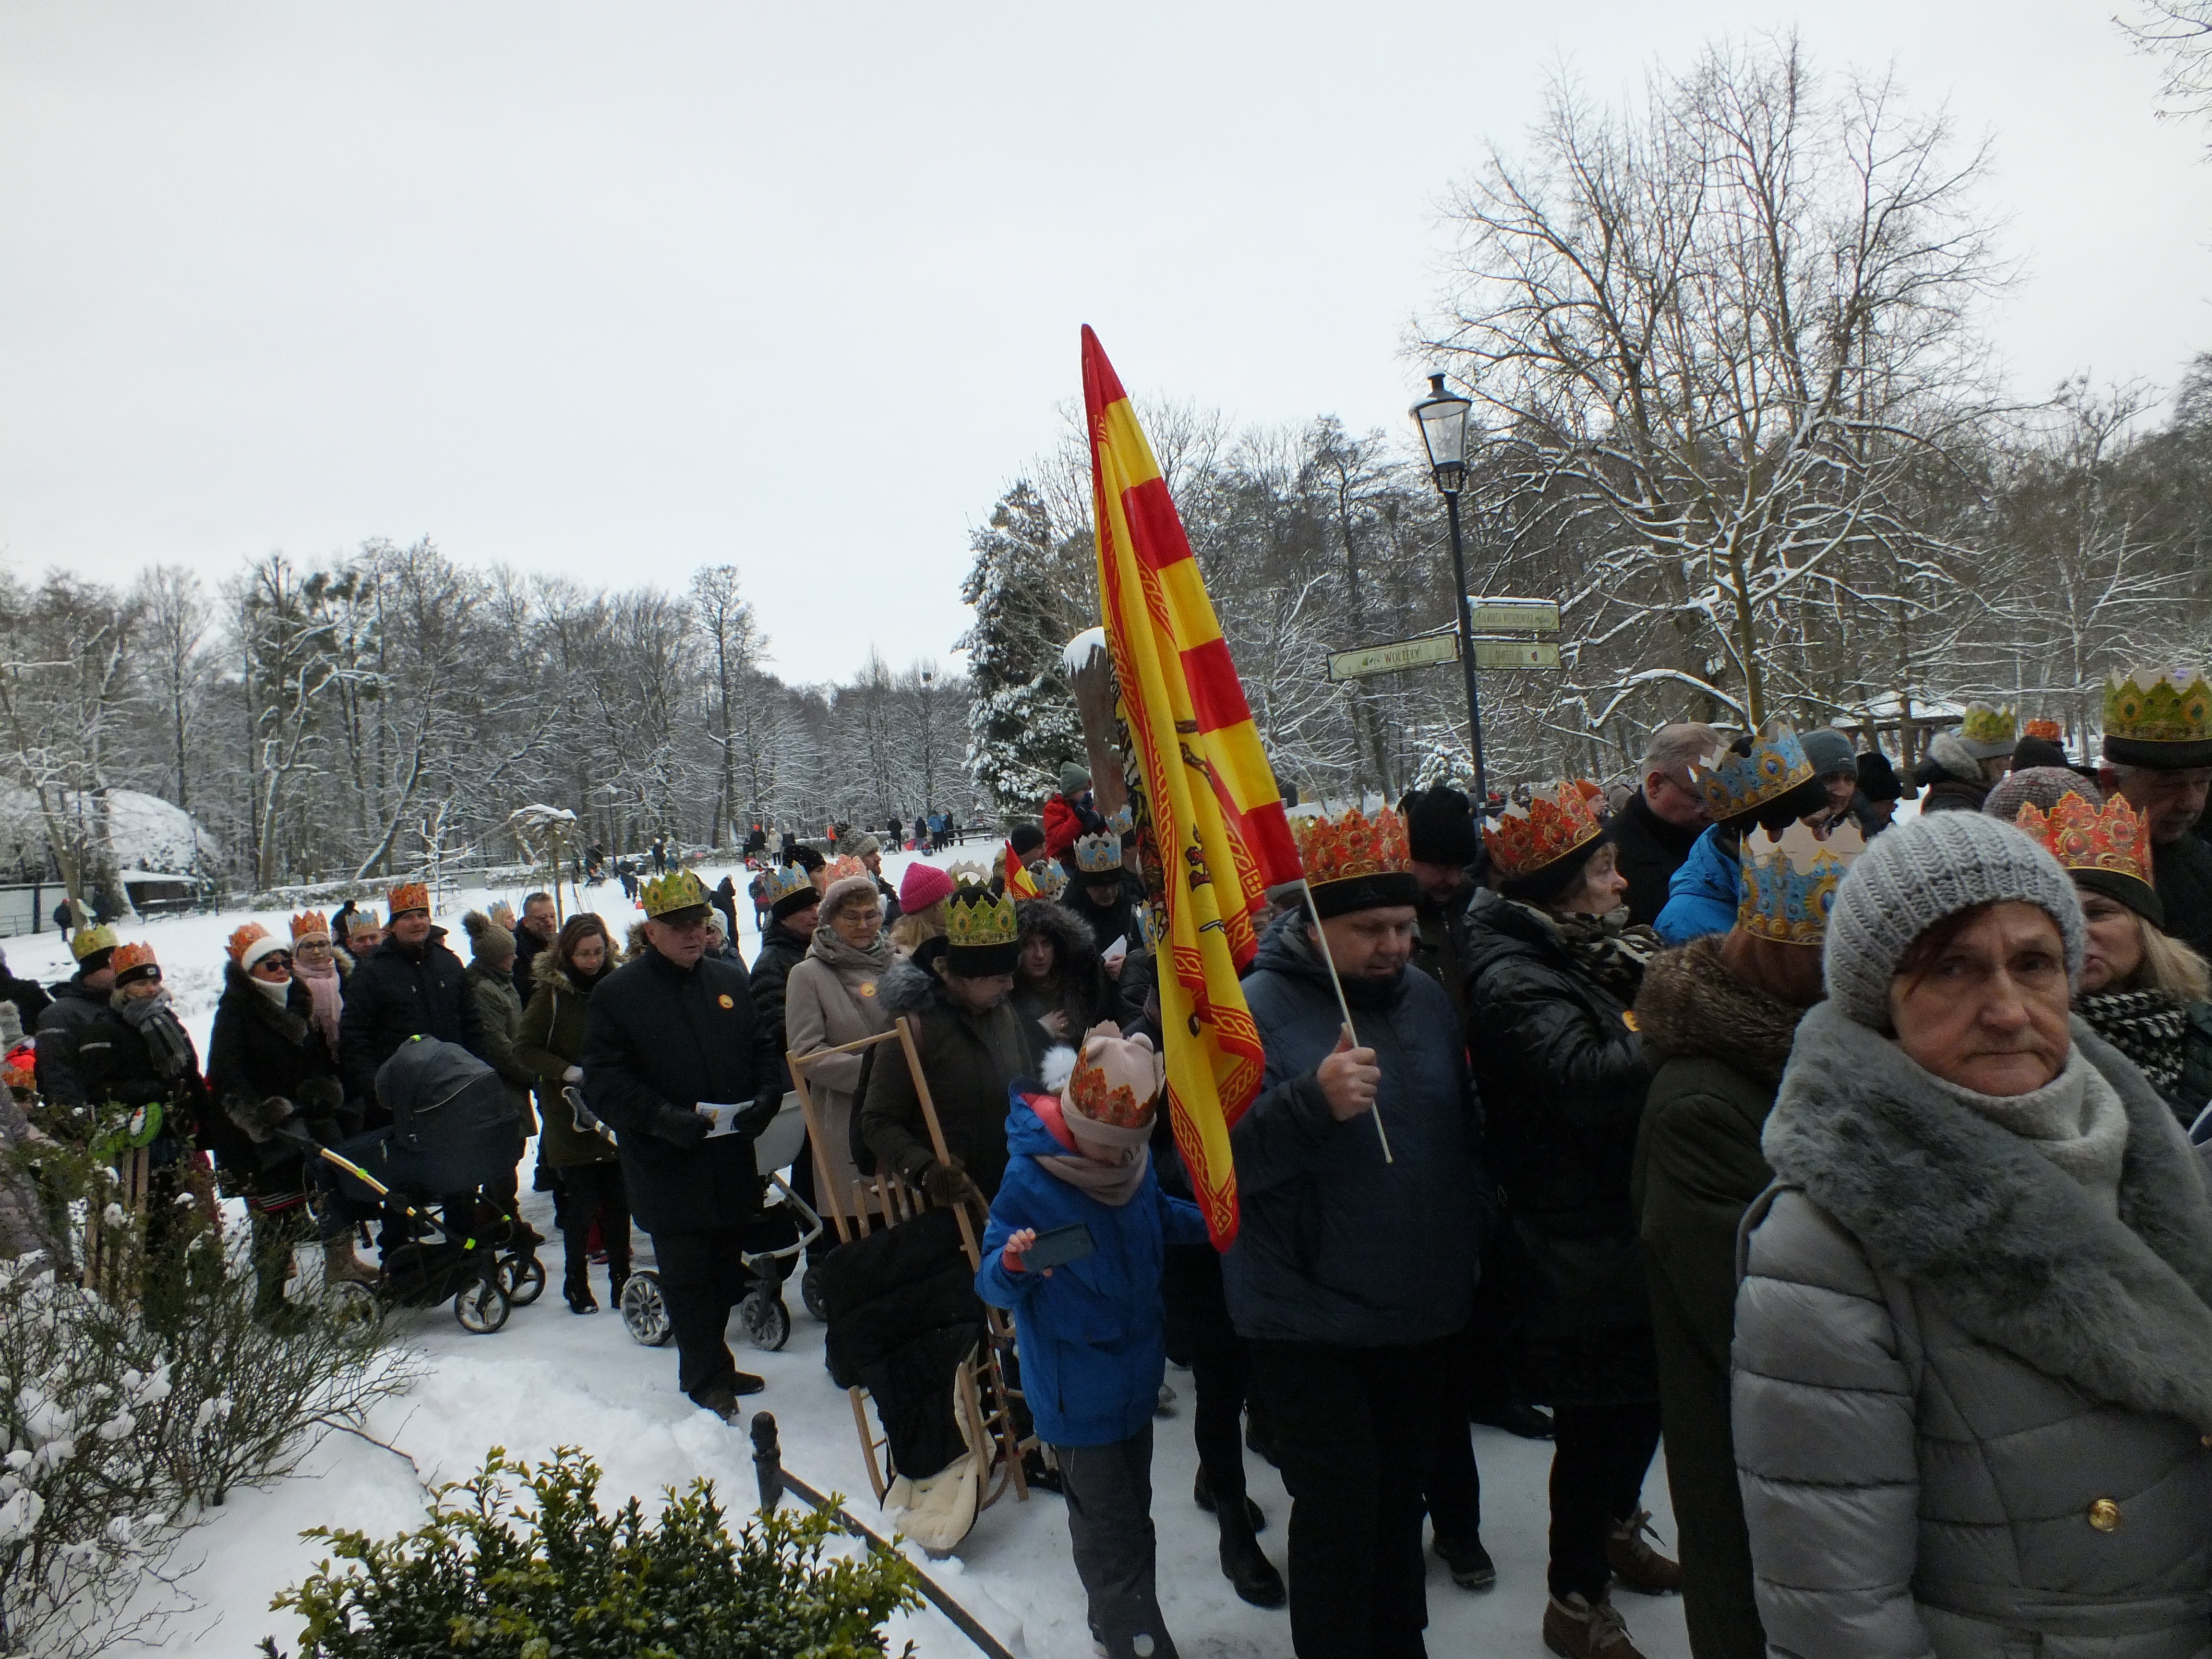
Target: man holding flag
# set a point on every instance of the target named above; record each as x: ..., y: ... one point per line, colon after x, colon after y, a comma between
x: 1354, y: 1267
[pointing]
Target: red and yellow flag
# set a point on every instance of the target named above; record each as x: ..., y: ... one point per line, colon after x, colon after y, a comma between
x: 1217, y: 820
x: 1020, y: 884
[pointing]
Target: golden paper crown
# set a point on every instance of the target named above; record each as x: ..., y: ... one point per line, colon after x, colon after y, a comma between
x: 1985, y: 725
x: 975, y: 918
x: 310, y: 924
x: 409, y: 895
x: 1353, y: 846
x: 2083, y: 835
x: 1787, y: 884
x: 2047, y: 730
x: 243, y: 936
x: 2148, y: 707
x: 679, y: 890
x: 136, y: 954
x: 1557, y: 820
x: 85, y: 940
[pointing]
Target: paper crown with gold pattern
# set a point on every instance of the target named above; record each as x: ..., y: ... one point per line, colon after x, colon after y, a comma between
x: 1353, y: 862
x: 250, y: 942
x: 1557, y: 820
x: 1098, y: 855
x: 1123, y: 820
x: 839, y: 867
x: 2163, y: 721
x: 2105, y: 848
x: 1050, y: 878
x: 310, y: 925
x: 409, y: 895
x: 88, y: 942
x: 1788, y: 882
x: 2047, y: 730
x: 134, y: 961
x: 1989, y: 733
x: 789, y: 888
x: 1113, y: 1092
x: 1738, y: 786
x: 983, y: 931
x: 669, y: 896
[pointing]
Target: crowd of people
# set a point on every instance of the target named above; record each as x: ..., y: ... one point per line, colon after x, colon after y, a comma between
x: 1849, y: 1159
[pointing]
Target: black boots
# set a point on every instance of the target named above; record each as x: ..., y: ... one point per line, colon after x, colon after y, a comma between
x: 578, y: 1292
x: 1244, y: 1564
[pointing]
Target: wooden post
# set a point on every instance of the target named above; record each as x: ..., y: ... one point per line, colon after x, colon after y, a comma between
x: 1090, y: 672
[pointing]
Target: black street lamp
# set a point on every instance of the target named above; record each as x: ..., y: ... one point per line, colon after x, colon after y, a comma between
x: 1442, y: 419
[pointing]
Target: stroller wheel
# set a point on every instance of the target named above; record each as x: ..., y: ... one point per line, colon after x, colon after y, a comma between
x: 481, y: 1307
x: 766, y: 1321
x: 523, y: 1279
x: 645, y: 1312
x: 351, y: 1303
x: 810, y: 1292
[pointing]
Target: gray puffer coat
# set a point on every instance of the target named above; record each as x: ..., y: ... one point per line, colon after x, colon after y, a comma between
x: 1971, y: 1405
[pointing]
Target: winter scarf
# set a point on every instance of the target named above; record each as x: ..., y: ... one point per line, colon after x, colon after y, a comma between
x: 2075, y: 1121
x: 2149, y: 1027
x: 328, y: 991
x: 1113, y: 1184
x: 1690, y: 1004
x: 278, y: 991
x: 1608, y: 949
x: 166, y: 1041
x: 831, y: 948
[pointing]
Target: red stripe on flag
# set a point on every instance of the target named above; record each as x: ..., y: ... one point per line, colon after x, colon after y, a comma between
x: 1217, y: 696
x: 1101, y: 386
x: 1154, y: 526
x: 1274, y: 849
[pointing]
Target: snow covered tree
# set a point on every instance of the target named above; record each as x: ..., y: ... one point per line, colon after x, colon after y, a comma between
x: 1022, y: 721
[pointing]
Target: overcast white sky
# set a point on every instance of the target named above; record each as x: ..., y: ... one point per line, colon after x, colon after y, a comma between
x: 621, y: 290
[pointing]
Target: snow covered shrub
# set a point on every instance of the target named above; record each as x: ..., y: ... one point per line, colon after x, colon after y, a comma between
x: 119, y: 1419
x: 504, y: 1580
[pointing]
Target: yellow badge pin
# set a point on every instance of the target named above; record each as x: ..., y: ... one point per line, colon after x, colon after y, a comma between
x: 726, y: 1001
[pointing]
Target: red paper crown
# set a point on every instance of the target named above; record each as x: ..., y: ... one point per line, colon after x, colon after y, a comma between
x: 136, y: 954
x: 409, y: 895
x: 1353, y: 846
x: 2086, y: 836
x: 1557, y: 820
x: 310, y: 924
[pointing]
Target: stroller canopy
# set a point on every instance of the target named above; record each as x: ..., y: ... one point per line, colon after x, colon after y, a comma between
x: 443, y: 1097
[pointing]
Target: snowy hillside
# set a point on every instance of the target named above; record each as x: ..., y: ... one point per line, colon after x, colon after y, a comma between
x: 550, y: 1379
x: 150, y: 834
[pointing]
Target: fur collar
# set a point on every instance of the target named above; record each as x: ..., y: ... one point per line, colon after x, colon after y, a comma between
x: 247, y: 1002
x: 1690, y: 1004
x: 2010, y: 1247
x: 906, y: 989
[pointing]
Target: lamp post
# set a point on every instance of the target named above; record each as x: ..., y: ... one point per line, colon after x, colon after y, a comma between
x: 1442, y: 419
x: 928, y: 742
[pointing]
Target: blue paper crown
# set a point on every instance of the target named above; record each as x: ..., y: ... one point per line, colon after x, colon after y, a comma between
x: 1786, y: 883
x: 1735, y: 783
x: 1097, y: 855
x: 783, y: 881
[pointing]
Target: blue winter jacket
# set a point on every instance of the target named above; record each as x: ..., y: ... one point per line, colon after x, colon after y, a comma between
x: 1335, y: 1245
x: 1091, y: 1351
x: 1701, y: 896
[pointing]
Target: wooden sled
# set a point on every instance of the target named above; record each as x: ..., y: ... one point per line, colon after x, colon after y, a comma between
x: 885, y: 1199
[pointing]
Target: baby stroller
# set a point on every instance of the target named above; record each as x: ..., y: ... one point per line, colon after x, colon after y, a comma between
x: 772, y: 1241
x: 453, y: 1129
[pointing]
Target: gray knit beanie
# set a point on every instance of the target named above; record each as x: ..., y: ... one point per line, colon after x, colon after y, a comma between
x: 2042, y: 786
x: 1910, y: 877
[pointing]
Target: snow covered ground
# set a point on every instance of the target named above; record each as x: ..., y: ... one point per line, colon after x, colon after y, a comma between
x: 550, y: 1379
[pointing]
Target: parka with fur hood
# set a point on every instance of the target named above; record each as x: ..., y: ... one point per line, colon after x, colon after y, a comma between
x: 970, y: 1060
x: 264, y: 1057
x: 547, y: 1042
x: 1085, y: 994
x: 1972, y: 1405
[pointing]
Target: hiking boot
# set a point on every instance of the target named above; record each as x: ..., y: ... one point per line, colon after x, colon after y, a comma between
x: 723, y: 1402
x: 1636, y: 1563
x: 580, y: 1300
x: 1247, y: 1568
x: 341, y: 1265
x: 1202, y: 1493
x: 1471, y: 1566
x: 1574, y: 1629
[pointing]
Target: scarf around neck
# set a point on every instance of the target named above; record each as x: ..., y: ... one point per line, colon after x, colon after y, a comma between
x: 2074, y: 1122
x: 150, y: 1017
x: 1608, y: 949
x: 2149, y: 1027
x: 834, y: 950
x: 1112, y: 1184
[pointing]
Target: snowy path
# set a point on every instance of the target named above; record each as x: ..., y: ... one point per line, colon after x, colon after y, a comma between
x: 551, y: 1379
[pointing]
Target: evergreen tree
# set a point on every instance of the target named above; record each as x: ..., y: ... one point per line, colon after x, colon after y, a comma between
x: 1021, y: 722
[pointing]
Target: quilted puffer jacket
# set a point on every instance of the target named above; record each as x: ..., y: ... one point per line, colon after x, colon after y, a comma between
x: 1972, y: 1408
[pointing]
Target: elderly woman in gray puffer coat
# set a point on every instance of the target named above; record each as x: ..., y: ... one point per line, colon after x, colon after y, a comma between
x: 1973, y: 1347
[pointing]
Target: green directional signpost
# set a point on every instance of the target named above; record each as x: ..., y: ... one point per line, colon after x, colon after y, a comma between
x: 1419, y: 652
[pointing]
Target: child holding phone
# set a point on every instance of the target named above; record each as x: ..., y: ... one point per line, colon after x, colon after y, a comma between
x: 1089, y: 1328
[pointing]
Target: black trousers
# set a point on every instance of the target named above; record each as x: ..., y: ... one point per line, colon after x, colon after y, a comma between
x: 594, y: 1191
x: 1599, y: 1455
x: 1108, y: 1490
x: 1221, y: 1375
x: 1352, y: 1430
x: 703, y: 1277
x: 1453, y: 1486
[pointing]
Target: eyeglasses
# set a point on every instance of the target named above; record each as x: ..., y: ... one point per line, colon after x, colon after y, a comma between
x: 315, y: 948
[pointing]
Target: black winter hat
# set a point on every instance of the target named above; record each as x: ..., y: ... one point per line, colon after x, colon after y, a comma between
x: 2037, y: 752
x: 1878, y: 778
x: 1026, y: 839
x: 1440, y: 826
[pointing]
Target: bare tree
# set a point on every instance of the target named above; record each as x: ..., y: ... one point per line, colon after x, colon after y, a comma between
x: 735, y: 642
x: 2179, y: 33
x: 175, y: 658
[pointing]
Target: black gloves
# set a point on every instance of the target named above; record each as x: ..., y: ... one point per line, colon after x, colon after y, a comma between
x: 679, y: 1124
x: 948, y: 1184
x: 758, y: 1116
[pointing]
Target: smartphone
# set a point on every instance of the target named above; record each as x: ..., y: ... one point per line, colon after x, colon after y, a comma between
x: 1059, y: 1247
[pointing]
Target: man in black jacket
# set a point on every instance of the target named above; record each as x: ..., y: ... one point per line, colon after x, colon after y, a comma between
x: 794, y: 904
x: 1440, y: 830
x: 672, y: 1036
x: 409, y: 986
x: 1653, y: 833
x: 539, y: 928
x: 78, y: 1000
x: 2158, y: 753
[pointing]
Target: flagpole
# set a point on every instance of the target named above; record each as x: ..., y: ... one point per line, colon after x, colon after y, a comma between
x: 1322, y: 937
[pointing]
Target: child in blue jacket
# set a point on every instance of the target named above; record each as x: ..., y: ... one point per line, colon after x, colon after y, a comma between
x: 1089, y: 1332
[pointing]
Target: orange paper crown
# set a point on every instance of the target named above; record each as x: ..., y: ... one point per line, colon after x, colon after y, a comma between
x: 1557, y: 820
x: 136, y: 954
x: 1353, y: 846
x: 2112, y: 838
x: 2047, y: 730
x: 409, y: 895
x: 245, y: 934
x: 310, y: 924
